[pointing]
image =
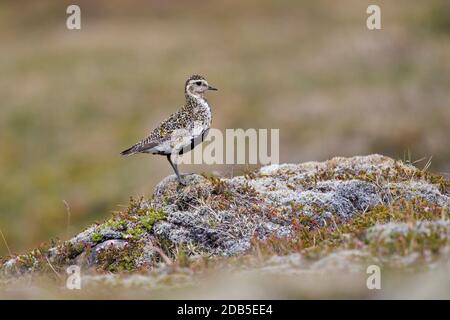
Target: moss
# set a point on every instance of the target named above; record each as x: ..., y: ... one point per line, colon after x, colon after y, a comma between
x: 182, y: 256
x: 151, y: 217
x: 315, y: 241
x: 119, y: 259
x: 142, y: 221
x: 135, y: 232
x: 25, y: 261
x: 423, y: 238
x: 71, y: 250
x: 135, y: 208
x: 228, y: 194
x: 219, y: 185
x: 311, y: 238
x: 96, y: 237
x: 34, y: 261
x: 116, y: 224
x: 213, y: 223
x: 136, y: 219
x: 225, y: 196
x: 442, y: 183
x: 398, y: 172
x: 166, y: 200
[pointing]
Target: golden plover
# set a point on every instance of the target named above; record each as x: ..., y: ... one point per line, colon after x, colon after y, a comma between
x: 184, y: 129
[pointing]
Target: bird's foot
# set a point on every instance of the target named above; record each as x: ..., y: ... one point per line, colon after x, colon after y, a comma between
x: 181, y: 181
x: 187, y: 174
x: 181, y: 178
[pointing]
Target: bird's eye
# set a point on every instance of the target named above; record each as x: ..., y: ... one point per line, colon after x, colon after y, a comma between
x: 199, y: 83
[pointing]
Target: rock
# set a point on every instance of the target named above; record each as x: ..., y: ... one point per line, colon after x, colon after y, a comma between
x: 401, y: 245
x: 223, y: 217
x: 345, y: 261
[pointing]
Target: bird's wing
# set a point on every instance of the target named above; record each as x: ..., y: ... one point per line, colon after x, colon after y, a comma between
x: 138, y: 147
x: 171, y: 132
x: 175, y: 133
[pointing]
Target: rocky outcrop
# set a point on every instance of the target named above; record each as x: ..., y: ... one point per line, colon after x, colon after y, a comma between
x: 223, y: 217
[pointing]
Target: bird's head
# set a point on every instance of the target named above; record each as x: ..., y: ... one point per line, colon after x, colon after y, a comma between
x: 197, y: 85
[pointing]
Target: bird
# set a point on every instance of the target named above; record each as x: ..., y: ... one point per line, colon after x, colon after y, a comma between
x: 183, y: 130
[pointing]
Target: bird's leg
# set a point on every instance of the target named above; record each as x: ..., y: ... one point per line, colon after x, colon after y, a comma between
x: 175, y: 168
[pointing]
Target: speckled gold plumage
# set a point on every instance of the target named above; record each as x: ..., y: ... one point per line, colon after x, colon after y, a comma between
x: 193, y: 120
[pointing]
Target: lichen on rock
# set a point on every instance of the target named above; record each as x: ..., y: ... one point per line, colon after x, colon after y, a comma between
x: 311, y: 206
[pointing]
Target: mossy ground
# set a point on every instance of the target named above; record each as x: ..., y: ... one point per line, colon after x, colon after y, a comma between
x: 402, y: 235
x: 316, y: 241
x: 131, y: 223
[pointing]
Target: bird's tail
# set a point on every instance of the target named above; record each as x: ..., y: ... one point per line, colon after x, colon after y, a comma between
x: 129, y: 151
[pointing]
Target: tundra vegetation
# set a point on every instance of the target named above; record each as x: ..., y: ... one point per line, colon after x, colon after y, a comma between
x: 309, y: 230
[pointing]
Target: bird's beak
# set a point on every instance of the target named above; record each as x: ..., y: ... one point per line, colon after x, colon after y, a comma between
x: 212, y: 88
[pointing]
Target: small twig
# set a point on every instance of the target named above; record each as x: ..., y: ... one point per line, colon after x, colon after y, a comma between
x: 419, y: 160
x: 258, y: 252
x: 163, y: 255
x: 365, y: 210
x: 427, y: 165
x: 68, y: 217
x: 444, y: 216
x: 51, y: 266
x: 6, y: 243
x: 335, y: 224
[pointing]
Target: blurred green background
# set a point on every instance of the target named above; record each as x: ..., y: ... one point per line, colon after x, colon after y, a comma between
x: 70, y: 101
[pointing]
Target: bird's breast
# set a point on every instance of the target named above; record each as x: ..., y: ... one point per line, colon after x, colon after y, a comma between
x: 203, y: 112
